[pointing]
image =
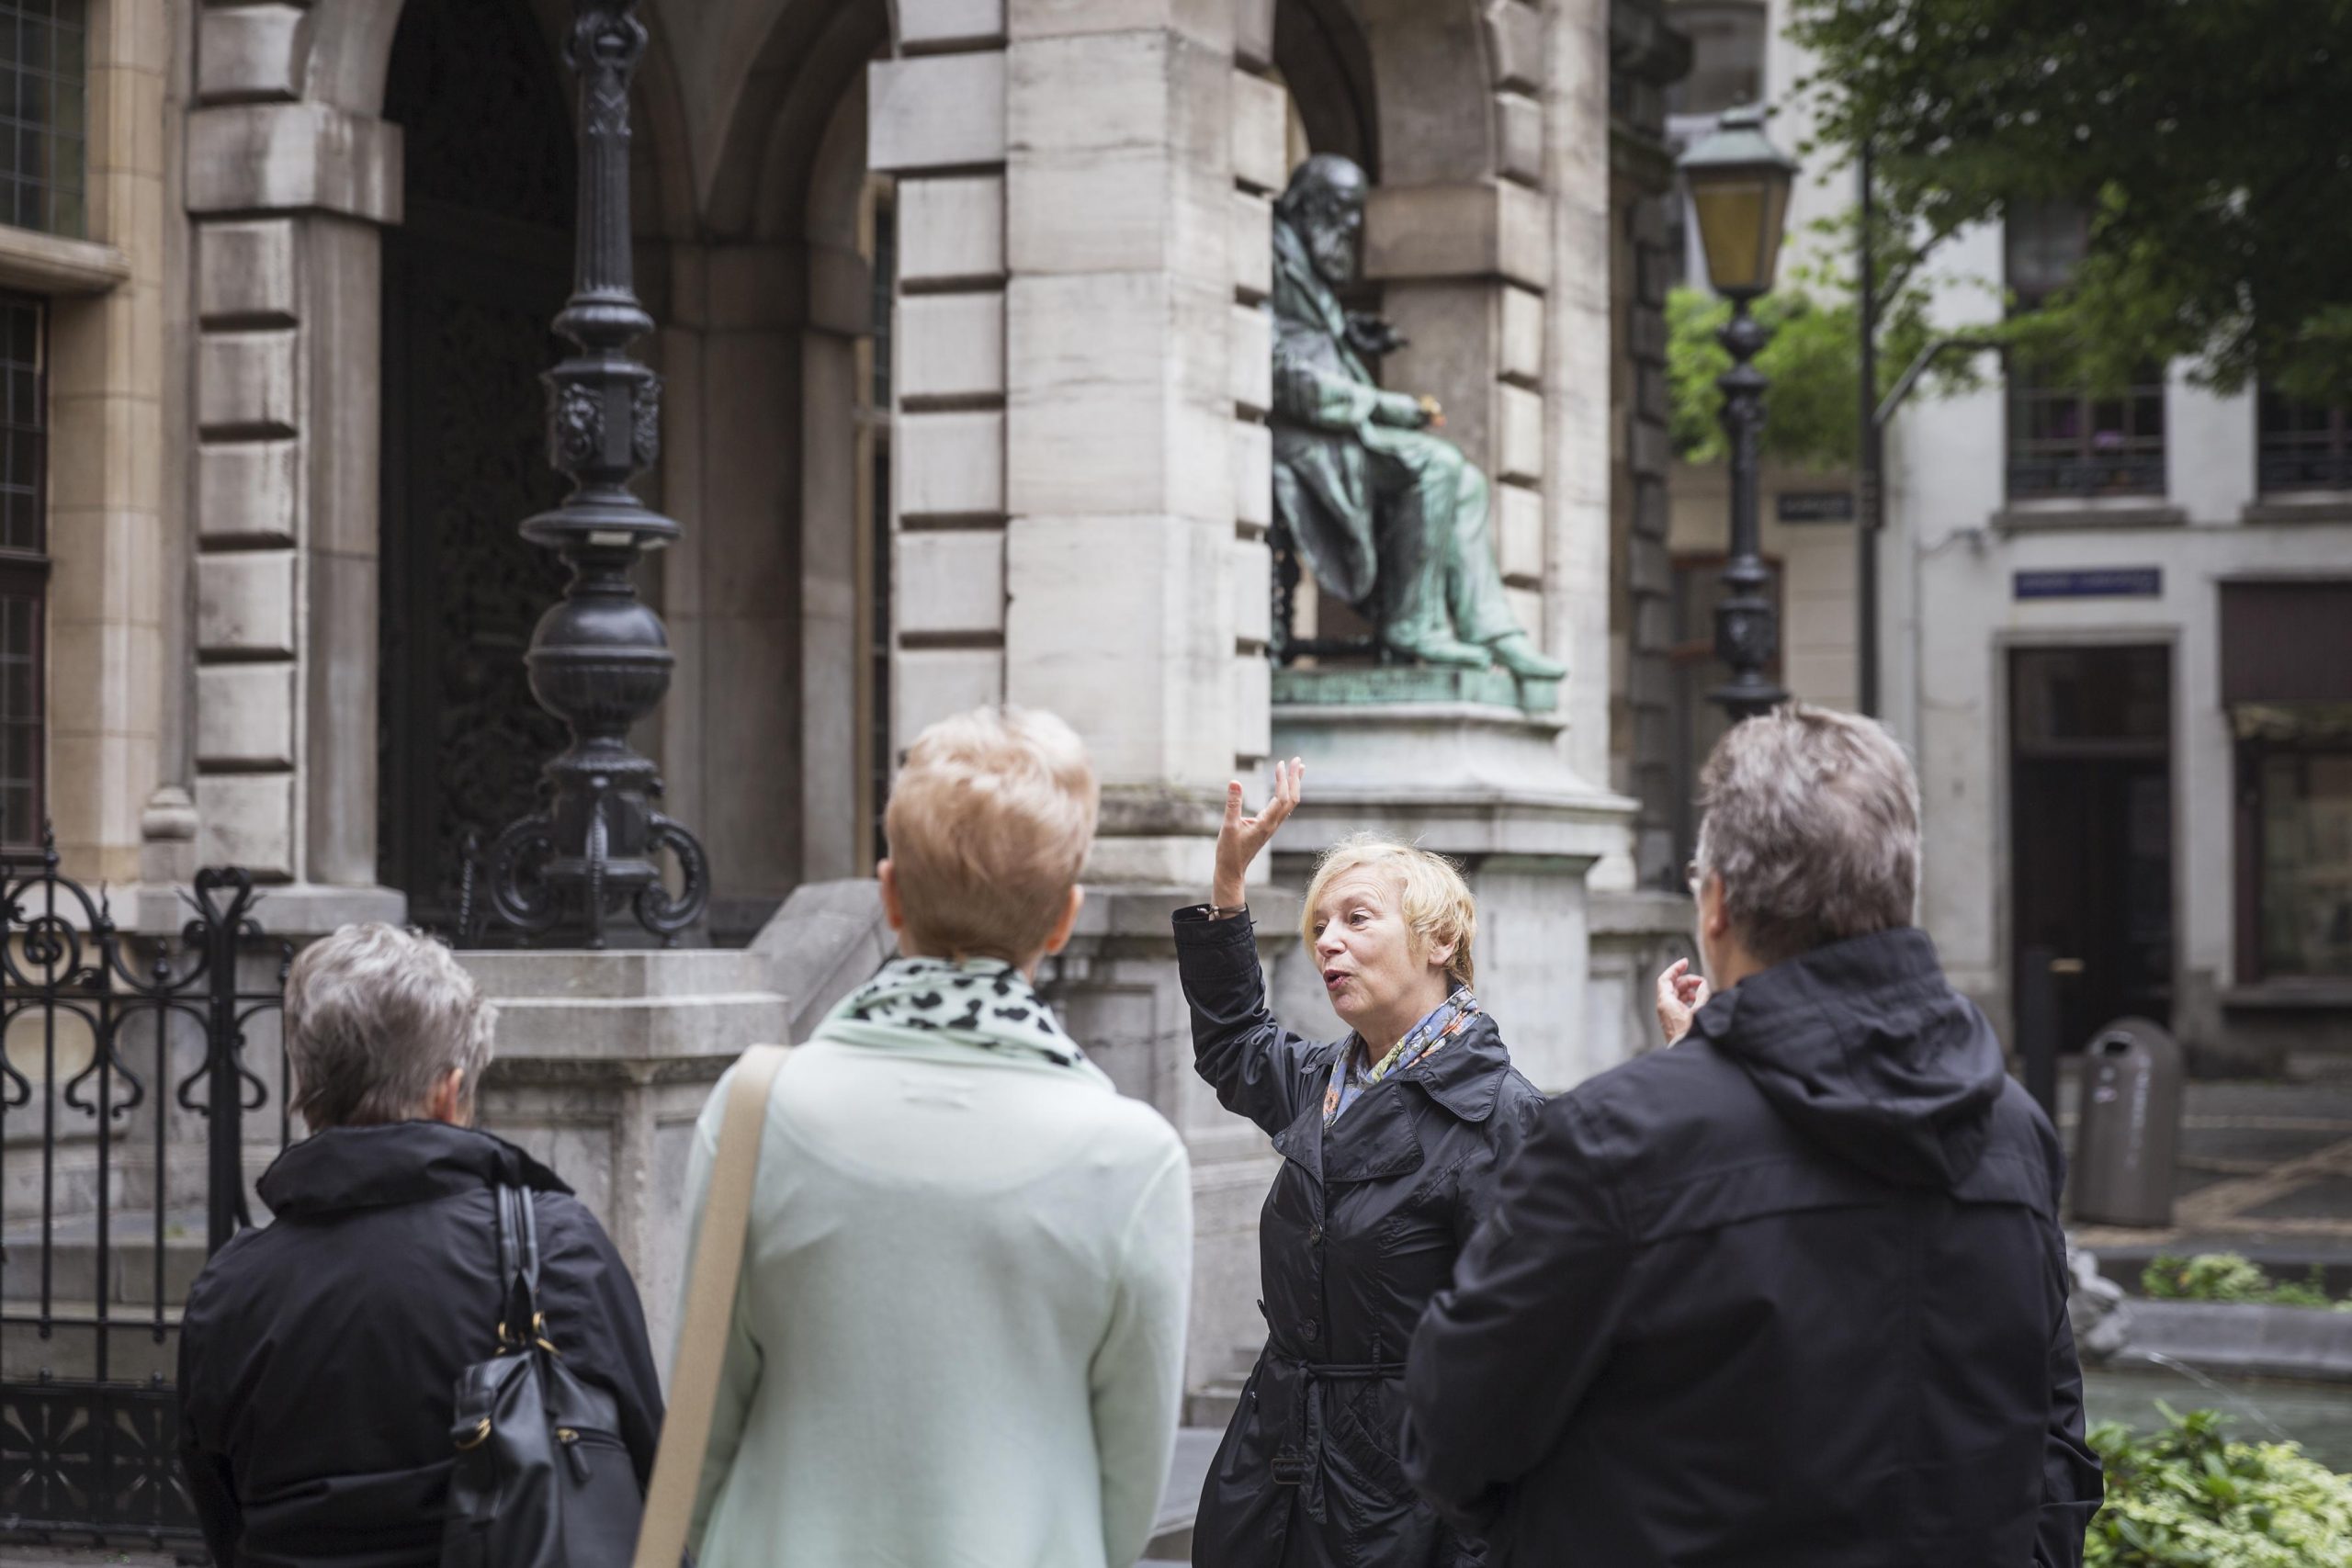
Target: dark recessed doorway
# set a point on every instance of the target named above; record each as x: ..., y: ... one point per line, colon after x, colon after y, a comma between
x: 2090, y: 815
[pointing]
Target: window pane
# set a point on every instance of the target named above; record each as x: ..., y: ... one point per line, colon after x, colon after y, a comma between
x: 2307, y: 864
x: 20, y: 719
x: 43, y: 114
x: 2045, y: 241
x: 2303, y: 445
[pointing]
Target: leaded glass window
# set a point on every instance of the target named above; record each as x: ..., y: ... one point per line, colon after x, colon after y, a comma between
x: 44, y: 135
x: 2063, y: 442
x: 2304, y: 446
x: 24, y: 567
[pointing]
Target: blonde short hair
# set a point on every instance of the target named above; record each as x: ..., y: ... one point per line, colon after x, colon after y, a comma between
x: 989, y: 826
x: 1434, y: 899
x: 376, y: 1017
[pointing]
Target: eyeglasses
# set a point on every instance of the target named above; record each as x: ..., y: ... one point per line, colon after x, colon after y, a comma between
x: 1691, y: 875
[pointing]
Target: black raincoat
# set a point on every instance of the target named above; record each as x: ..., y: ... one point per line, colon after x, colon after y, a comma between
x: 320, y: 1353
x: 1793, y: 1291
x: 1363, y: 1223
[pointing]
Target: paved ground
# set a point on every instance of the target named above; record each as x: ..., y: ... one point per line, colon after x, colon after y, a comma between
x: 2264, y: 1169
x: 1195, y: 1446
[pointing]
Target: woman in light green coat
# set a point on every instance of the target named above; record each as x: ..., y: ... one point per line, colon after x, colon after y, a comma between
x: 959, y: 1334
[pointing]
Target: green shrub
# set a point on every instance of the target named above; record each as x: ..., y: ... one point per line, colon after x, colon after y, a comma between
x: 2227, y: 1277
x: 2189, y: 1496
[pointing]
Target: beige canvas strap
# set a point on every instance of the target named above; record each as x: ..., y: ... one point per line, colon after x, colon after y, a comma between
x: 710, y: 1303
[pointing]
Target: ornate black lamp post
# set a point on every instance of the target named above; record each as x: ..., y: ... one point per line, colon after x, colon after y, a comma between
x: 599, y: 660
x: 1739, y: 186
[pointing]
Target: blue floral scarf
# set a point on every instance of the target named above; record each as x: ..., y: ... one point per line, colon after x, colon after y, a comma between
x: 1424, y: 1039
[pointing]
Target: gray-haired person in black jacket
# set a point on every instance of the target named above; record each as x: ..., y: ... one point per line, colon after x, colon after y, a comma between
x: 1793, y: 1291
x: 319, y: 1355
x: 1391, y: 1140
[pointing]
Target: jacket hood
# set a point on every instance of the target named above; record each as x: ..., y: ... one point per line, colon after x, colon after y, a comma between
x: 1864, y: 1047
x: 400, y: 1162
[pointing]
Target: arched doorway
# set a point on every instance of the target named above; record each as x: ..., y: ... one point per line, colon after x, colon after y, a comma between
x: 471, y: 280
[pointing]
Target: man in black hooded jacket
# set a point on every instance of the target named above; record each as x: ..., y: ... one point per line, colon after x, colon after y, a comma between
x: 320, y: 1354
x: 1794, y: 1292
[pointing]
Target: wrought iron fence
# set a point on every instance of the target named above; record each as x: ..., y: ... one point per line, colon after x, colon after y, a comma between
x: 1290, y: 578
x: 116, y: 1046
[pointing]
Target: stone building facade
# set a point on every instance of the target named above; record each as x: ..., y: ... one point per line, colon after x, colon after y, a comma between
x: 966, y: 386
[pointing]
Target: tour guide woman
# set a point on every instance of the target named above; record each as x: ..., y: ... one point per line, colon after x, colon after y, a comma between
x: 1391, y: 1141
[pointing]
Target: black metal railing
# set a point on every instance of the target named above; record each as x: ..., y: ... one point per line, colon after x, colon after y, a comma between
x: 1283, y: 646
x: 2287, y: 467
x: 117, y: 1047
x: 2065, y: 476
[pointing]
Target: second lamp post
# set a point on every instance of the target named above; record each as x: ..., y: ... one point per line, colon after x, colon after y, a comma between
x: 1739, y: 190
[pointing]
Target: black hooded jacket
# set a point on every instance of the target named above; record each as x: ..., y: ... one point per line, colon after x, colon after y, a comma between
x: 1791, y: 1293
x: 1363, y: 1224
x: 319, y: 1353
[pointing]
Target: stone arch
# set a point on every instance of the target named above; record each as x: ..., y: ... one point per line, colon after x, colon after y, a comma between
x: 780, y: 537
x: 1324, y: 59
x: 797, y: 74
x: 348, y: 52
x: 299, y: 174
x: 1428, y: 61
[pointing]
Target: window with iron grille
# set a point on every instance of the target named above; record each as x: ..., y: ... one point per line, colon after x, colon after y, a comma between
x: 44, y: 135
x: 24, y: 568
x: 2063, y: 442
x: 2303, y: 445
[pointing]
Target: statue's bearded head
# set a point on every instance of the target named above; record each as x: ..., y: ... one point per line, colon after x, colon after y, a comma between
x: 1325, y: 204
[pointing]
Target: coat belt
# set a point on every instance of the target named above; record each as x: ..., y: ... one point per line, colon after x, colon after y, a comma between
x: 1295, y: 1456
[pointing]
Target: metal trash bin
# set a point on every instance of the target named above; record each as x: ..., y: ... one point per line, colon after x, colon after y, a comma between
x: 2127, y: 1138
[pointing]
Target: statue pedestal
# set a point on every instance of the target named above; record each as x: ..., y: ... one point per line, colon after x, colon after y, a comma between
x: 1486, y: 785
x: 604, y: 1061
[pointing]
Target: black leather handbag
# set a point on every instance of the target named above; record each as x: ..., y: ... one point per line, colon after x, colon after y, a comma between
x: 542, y: 1479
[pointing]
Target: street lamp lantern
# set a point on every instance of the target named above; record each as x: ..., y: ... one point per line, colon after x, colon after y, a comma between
x: 1739, y: 192
x: 1739, y: 188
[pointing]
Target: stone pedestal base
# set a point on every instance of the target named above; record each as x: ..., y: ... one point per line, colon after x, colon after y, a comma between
x: 1635, y: 936
x: 604, y: 1062
x: 1116, y: 991
x: 1484, y: 784
x: 291, y: 912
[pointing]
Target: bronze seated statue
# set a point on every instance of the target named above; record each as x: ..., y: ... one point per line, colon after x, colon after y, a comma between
x: 1384, y: 514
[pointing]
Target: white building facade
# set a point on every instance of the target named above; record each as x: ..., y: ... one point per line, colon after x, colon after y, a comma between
x: 2112, y: 629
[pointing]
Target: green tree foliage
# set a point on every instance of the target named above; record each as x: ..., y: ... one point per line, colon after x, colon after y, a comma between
x: 2206, y: 137
x: 2189, y: 1496
x: 1812, y: 417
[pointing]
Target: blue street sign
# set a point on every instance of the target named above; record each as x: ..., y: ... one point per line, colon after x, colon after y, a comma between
x: 2097, y: 582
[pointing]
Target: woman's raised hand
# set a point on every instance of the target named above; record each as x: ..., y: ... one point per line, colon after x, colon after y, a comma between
x: 1242, y: 838
x: 1681, y: 995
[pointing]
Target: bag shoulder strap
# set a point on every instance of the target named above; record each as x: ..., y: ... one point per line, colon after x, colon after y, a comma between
x: 518, y: 1265
x: 710, y: 1305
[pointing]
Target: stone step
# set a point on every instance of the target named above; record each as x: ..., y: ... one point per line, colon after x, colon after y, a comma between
x: 126, y: 1267
x: 1213, y: 1405
x: 616, y: 976
x: 70, y: 1352
x: 620, y: 1008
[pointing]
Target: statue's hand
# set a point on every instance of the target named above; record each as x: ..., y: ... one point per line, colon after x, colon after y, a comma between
x: 1240, y: 839
x: 1372, y: 336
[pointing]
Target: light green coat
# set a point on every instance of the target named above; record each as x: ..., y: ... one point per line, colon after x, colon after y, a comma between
x: 959, y: 1336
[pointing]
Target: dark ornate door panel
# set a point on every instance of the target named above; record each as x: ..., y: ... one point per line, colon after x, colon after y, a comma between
x: 471, y: 280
